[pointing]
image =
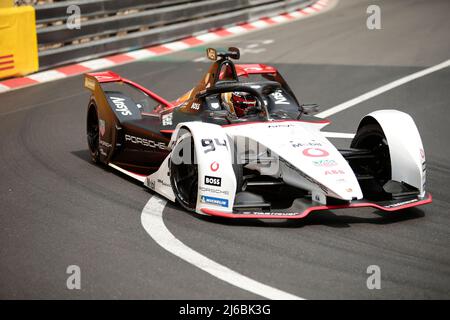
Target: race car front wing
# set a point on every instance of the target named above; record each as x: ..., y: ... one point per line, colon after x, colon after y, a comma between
x: 301, y: 208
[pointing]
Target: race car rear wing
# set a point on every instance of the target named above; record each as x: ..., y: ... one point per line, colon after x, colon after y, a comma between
x: 91, y: 81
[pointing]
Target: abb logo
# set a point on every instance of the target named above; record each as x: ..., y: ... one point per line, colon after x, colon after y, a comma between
x: 334, y: 172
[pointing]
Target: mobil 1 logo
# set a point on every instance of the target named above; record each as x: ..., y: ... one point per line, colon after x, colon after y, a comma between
x: 213, y: 181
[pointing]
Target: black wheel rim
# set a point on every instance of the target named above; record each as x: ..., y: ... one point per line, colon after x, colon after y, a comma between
x: 380, y: 167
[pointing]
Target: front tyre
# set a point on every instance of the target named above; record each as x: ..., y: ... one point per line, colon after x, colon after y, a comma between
x: 371, y: 137
x: 184, y: 173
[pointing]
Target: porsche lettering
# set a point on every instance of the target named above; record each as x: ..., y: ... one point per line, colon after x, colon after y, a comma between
x: 145, y: 142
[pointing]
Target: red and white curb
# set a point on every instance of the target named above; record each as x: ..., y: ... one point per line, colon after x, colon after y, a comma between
x: 195, y: 40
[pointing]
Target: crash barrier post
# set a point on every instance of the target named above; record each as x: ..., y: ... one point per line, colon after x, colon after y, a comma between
x: 18, y: 43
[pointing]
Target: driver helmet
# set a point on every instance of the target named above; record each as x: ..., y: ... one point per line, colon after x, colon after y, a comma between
x: 241, y: 102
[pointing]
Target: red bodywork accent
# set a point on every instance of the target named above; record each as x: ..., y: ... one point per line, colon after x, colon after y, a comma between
x: 72, y: 69
x: 305, y: 213
x: 108, y: 76
x: 18, y: 82
x: 150, y: 93
x: 246, y: 69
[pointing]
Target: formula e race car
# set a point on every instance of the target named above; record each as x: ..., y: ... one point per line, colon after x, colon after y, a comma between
x: 240, y: 145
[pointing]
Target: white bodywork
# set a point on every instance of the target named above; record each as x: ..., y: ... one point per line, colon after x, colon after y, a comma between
x: 405, y: 147
x: 297, y: 152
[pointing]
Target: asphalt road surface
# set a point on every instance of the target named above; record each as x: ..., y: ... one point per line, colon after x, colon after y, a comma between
x: 58, y: 209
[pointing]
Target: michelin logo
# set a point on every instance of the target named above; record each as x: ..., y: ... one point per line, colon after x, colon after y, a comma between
x: 216, y: 201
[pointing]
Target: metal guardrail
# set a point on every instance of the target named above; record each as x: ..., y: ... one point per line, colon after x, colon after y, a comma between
x: 144, y: 24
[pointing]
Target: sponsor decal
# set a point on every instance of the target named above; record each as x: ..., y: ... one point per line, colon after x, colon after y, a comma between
x: 213, y: 190
x: 121, y: 106
x: 167, y: 119
x: 89, y: 83
x: 101, y: 127
x: 213, y: 181
x: 211, y: 54
x: 210, y: 144
x: 214, y: 166
x: 281, y: 214
x: 105, y: 144
x: 280, y: 126
x: 279, y: 97
x: 422, y: 154
x: 162, y: 182
x: 315, y: 152
x: 103, y: 78
x: 145, y: 142
x: 307, y: 144
x: 334, y: 172
x: 152, y: 184
x: 349, y: 190
x: 195, y: 106
x: 324, y: 163
x: 399, y: 204
x: 302, y: 174
x: 215, y: 201
x: 215, y: 105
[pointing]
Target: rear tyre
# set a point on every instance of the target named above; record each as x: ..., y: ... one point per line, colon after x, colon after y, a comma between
x: 92, y: 130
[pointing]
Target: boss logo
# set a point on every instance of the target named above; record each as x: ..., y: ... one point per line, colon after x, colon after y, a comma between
x: 213, y: 181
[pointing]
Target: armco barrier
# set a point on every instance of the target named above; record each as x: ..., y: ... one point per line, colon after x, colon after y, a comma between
x: 18, y: 45
x: 146, y: 23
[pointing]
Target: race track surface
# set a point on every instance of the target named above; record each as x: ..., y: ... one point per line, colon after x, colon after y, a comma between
x: 58, y: 209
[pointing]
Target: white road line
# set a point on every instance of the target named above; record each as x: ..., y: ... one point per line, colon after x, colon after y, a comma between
x: 3, y: 88
x: 279, y: 18
x: 380, y: 90
x: 206, y: 37
x: 97, y: 64
x: 259, y: 24
x: 152, y: 221
x: 47, y: 76
x: 140, y: 54
x: 176, y: 46
x: 236, y: 29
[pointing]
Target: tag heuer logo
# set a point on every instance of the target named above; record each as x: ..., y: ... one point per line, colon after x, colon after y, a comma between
x: 212, y: 54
